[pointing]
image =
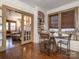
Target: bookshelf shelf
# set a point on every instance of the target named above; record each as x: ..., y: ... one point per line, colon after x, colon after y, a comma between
x: 40, y: 21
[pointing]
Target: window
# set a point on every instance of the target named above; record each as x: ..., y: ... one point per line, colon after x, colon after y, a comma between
x: 7, y: 26
x: 54, y: 21
x: 13, y: 26
x: 67, y: 19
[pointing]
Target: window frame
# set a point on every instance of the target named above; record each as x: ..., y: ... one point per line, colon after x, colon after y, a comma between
x: 9, y: 25
x: 60, y: 18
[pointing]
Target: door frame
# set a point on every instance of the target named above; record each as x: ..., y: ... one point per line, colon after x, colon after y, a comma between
x: 4, y: 10
x: 1, y: 48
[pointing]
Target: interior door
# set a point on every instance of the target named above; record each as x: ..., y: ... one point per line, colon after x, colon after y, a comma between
x: 27, y: 25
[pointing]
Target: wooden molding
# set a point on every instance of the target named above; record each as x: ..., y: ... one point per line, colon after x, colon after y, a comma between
x: 59, y: 21
x: 0, y: 7
x: 62, y: 11
x: 16, y: 10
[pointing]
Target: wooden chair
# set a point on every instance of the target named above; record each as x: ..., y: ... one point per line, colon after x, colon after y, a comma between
x: 53, y: 43
x: 16, y: 36
x: 65, y: 42
x: 44, y: 44
x: 47, y: 43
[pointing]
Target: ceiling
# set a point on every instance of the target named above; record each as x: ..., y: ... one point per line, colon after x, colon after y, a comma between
x: 47, y: 4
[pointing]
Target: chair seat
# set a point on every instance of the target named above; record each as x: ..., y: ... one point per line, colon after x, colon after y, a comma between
x: 63, y: 42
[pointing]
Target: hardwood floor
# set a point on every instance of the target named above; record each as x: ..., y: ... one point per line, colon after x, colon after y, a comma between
x: 32, y: 51
x: 11, y: 43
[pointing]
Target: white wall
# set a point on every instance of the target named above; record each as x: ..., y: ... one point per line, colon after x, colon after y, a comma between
x: 36, y: 36
x: 0, y: 2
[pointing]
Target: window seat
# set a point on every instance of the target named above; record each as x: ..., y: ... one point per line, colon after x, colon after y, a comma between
x: 74, y: 45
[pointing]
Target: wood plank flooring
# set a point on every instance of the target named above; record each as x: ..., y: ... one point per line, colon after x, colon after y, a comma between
x: 32, y: 51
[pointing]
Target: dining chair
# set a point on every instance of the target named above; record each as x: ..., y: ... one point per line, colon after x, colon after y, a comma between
x: 53, y: 43
x: 44, y: 42
x: 47, y: 43
x: 66, y: 43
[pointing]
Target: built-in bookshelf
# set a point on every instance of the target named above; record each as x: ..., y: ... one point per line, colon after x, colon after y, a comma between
x: 40, y: 21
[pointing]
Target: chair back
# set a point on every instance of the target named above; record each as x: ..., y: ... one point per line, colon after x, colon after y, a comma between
x: 44, y: 36
x: 69, y: 38
x: 51, y: 36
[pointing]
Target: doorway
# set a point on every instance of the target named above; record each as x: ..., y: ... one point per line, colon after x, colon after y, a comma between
x: 13, y: 28
x: 18, y: 27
